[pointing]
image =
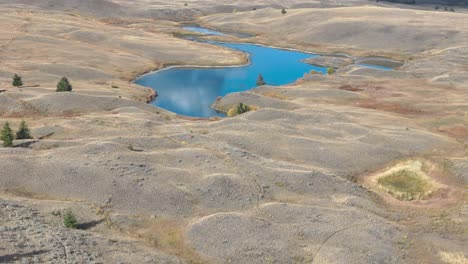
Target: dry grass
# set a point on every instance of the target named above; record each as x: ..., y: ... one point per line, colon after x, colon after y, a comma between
x: 406, y: 185
x: 389, y: 107
x: 168, y: 236
x: 350, y: 88
x: 275, y: 95
x: 407, y: 181
x: 453, y: 257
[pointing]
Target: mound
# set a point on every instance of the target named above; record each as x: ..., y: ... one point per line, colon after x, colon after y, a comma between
x: 59, y: 103
x: 377, y: 28
x: 99, y: 8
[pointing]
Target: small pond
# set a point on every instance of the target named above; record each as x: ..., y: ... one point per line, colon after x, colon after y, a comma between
x: 191, y: 91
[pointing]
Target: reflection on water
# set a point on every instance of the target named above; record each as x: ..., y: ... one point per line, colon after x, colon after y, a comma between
x: 202, y: 30
x: 211, y: 32
x: 192, y: 91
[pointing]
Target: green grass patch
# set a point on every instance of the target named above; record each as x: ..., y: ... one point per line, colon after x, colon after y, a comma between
x: 406, y: 185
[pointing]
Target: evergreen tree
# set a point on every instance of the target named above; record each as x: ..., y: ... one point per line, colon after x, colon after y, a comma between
x: 242, y: 108
x: 23, y: 132
x: 6, y: 135
x: 69, y: 219
x: 17, y: 81
x: 260, y: 80
x: 64, y: 85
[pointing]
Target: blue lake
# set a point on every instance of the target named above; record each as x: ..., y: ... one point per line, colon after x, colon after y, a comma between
x: 192, y: 91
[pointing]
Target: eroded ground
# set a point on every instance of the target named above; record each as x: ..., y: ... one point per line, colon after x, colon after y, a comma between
x: 286, y: 183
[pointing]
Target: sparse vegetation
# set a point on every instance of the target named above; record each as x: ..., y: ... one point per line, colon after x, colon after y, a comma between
x: 23, y: 132
x: 17, y: 81
x: 260, y: 80
x: 240, y: 109
x: 64, y: 85
x: 69, y: 219
x: 330, y: 70
x: 7, y: 135
x: 406, y: 185
x: 453, y: 257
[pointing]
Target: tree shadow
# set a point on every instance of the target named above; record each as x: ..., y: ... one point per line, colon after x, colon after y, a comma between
x: 26, y: 143
x: 15, y: 257
x: 89, y: 225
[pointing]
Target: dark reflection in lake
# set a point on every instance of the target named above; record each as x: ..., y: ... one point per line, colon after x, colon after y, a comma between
x: 191, y: 91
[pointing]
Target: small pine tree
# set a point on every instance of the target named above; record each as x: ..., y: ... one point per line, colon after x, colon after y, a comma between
x: 242, y: 108
x: 283, y: 11
x: 23, y: 132
x: 260, y: 80
x: 6, y: 135
x: 17, y: 81
x: 69, y: 219
x: 64, y: 85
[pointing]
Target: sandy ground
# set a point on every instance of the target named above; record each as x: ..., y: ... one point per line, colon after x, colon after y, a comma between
x: 281, y: 184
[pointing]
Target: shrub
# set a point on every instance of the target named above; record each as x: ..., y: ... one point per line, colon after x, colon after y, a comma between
x: 69, y: 219
x: 330, y: 70
x: 240, y: 109
x: 64, y: 85
x: 260, y: 80
x: 17, y: 81
x: 6, y: 135
x: 283, y: 11
x: 23, y: 132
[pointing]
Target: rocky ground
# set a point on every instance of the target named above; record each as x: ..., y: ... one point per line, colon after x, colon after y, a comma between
x: 283, y: 184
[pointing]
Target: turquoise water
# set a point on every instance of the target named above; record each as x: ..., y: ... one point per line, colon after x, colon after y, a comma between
x: 192, y: 91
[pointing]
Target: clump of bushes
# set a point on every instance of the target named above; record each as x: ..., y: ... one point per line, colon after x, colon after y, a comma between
x: 7, y: 136
x: 330, y: 70
x: 64, y: 85
x: 283, y: 11
x: 313, y: 72
x: 240, y: 109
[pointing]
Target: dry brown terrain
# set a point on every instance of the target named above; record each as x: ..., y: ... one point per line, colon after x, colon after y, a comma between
x: 287, y: 183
